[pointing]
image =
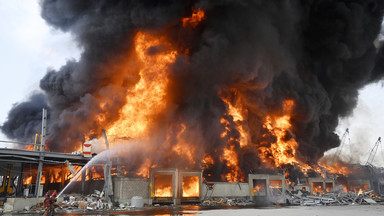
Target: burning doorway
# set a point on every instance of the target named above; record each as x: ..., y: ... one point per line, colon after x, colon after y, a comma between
x: 267, y: 187
x: 175, y: 186
x: 190, y: 189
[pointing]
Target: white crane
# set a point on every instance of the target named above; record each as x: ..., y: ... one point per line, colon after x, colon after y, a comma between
x: 345, y: 138
x: 373, y: 151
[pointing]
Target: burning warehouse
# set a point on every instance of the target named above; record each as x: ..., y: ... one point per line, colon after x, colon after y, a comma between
x: 226, y: 87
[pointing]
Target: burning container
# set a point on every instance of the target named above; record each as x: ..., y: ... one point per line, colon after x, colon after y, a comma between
x: 321, y: 185
x: 267, y: 187
x: 190, y: 189
x: 175, y: 186
x: 358, y: 184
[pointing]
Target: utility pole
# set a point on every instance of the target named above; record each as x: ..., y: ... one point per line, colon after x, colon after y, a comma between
x: 108, y: 189
x: 42, y: 150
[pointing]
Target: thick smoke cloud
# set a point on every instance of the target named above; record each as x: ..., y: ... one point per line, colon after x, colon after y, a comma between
x: 318, y: 53
x: 24, y: 119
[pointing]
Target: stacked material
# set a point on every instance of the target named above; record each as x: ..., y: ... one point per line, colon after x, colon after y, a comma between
x: 226, y: 202
x: 333, y: 198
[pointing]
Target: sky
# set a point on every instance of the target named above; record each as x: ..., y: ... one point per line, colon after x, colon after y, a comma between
x: 28, y: 46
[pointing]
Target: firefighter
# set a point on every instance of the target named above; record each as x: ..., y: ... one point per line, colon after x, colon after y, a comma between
x: 47, y: 201
x: 49, y: 204
x: 52, y: 202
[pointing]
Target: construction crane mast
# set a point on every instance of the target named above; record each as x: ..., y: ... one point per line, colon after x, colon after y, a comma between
x: 345, y: 138
x: 373, y: 151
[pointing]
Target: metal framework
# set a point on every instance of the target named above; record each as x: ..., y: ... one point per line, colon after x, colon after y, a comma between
x: 373, y: 151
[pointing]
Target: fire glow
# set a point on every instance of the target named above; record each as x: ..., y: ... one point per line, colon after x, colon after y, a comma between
x: 163, y: 186
x: 187, y: 91
x: 191, y: 186
x: 153, y: 56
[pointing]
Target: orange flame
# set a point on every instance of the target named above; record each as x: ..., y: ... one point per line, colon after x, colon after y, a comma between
x: 208, y: 159
x: 30, y: 147
x: 239, y: 114
x: 195, y: 19
x: 191, y: 186
x: 337, y: 168
x: 182, y: 148
x: 283, y: 151
x: 317, y: 190
x: 27, y: 180
x: 144, y: 169
x: 259, y: 187
x: 231, y: 160
x: 147, y: 98
x: 163, y: 185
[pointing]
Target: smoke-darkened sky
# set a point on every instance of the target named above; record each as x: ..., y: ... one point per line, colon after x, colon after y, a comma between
x: 30, y: 46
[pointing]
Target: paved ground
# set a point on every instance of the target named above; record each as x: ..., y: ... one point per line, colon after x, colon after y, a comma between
x: 351, y: 210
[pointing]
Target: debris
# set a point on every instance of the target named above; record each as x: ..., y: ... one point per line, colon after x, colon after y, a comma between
x: 226, y: 202
x: 337, y: 197
x: 369, y: 200
x: 82, y: 204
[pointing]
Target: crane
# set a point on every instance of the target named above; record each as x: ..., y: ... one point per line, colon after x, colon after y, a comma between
x: 344, y: 139
x: 373, y: 151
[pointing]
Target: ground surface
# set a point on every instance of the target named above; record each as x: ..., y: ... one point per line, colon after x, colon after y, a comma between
x: 351, y: 210
x: 367, y: 210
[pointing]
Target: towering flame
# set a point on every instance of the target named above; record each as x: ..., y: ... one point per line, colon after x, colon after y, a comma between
x: 223, y: 86
x: 283, y: 150
x: 147, y: 98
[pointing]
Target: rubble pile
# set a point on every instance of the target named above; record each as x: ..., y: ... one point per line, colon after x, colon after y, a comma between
x: 225, y: 202
x: 93, y: 201
x: 333, y: 198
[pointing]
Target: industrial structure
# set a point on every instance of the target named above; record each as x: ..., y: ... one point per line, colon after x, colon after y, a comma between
x: 31, y: 173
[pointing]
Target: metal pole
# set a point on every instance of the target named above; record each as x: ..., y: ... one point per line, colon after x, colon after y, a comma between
x: 108, y: 189
x: 83, y: 180
x: 42, y: 149
x: 20, y: 181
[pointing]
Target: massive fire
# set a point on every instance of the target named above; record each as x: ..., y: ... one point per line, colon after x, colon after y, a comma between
x: 245, y: 136
x: 154, y: 56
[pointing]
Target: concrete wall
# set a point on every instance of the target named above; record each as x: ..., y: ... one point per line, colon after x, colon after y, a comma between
x: 125, y: 188
x: 226, y: 189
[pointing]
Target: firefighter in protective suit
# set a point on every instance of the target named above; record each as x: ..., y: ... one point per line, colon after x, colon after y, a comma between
x: 49, y: 204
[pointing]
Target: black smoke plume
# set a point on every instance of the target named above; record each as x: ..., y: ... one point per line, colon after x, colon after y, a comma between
x: 26, y: 119
x: 318, y: 53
